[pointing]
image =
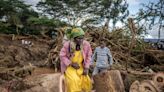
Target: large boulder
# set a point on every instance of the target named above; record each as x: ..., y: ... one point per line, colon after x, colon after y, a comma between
x: 45, y: 83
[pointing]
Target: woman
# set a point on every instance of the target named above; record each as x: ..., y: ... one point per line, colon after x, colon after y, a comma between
x: 75, y: 58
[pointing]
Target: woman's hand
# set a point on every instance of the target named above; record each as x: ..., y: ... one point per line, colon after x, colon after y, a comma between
x: 85, y: 72
x: 75, y: 65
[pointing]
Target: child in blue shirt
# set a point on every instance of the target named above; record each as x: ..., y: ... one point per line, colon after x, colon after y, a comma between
x: 103, y: 58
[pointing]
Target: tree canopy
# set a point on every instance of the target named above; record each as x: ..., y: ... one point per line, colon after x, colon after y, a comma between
x: 18, y: 17
x: 75, y: 9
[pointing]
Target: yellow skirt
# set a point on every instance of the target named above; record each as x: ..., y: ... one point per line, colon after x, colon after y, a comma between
x: 75, y: 80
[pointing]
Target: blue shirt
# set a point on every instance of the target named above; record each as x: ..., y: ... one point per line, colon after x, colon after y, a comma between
x: 103, y: 57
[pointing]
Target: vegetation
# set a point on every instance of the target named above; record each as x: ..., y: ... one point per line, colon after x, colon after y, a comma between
x: 17, y: 17
x: 85, y: 10
x: 152, y: 15
x: 22, y: 56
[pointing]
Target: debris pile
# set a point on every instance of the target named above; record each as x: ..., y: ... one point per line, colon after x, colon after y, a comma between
x: 140, y: 56
x: 18, y: 61
x: 154, y: 85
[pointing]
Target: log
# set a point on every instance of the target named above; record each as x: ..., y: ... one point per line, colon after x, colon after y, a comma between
x: 147, y: 86
x: 139, y: 73
x: 110, y: 81
x: 158, y: 79
x: 18, y: 71
x: 135, y: 86
x: 46, y: 83
x: 130, y: 77
x: 144, y: 86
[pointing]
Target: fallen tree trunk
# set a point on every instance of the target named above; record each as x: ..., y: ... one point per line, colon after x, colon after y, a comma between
x: 144, y: 86
x: 131, y: 76
x: 138, y: 73
x: 110, y: 81
x: 16, y: 71
x: 148, y: 86
x: 135, y: 86
x: 158, y: 80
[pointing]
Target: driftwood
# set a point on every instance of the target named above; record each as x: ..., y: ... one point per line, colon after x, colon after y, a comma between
x: 155, y: 85
x: 139, y: 73
x: 158, y: 80
x: 144, y: 86
x: 131, y: 76
x: 148, y: 85
x: 108, y: 82
x: 16, y: 72
x: 135, y: 87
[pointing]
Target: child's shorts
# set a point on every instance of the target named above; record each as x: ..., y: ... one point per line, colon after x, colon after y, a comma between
x: 98, y: 70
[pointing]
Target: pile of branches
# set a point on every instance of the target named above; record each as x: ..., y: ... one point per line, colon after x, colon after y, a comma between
x: 127, y: 51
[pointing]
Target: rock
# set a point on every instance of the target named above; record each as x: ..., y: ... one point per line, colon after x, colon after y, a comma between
x: 45, y: 83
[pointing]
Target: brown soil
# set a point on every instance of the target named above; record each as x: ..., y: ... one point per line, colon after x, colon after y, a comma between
x: 14, y: 56
x: 39, y: 71
x: 13, y: 53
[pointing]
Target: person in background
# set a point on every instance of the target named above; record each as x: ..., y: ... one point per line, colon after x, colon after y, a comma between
x: 103, y: 58
x: 75, y: 57
x: 67, y: 34
x: 53, y: 34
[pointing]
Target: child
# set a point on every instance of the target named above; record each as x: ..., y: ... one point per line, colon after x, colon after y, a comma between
x: 103, y: 58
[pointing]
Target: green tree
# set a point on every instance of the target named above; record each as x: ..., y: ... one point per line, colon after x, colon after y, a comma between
x: 44, y: 24
x: 16, y: 13
x: 74, y: 9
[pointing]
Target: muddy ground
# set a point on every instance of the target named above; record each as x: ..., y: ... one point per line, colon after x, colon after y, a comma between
x: 19, y: 61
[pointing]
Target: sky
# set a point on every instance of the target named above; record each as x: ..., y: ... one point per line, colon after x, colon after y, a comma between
x: 134, y: 6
